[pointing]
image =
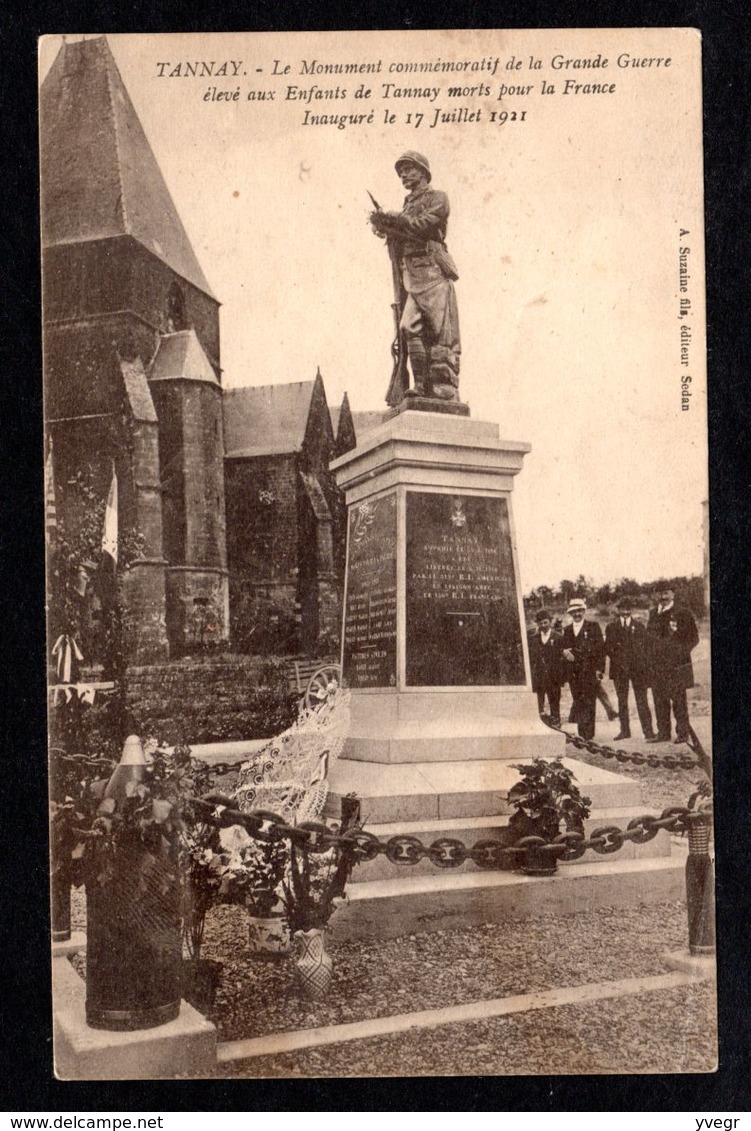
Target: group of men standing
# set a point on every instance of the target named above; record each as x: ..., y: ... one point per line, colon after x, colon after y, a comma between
x: 656, y: 655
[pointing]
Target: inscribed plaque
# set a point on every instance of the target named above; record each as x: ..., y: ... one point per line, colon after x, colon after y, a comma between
x: 370, y: 610
x: 462, y: 613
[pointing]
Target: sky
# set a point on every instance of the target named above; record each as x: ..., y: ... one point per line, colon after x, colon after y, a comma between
x: 565, y: 226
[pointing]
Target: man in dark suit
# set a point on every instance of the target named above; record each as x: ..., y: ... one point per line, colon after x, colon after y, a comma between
x: 626, y: 645
x: 583, y: 651
x: 673, y: 635
x: 545, y: 662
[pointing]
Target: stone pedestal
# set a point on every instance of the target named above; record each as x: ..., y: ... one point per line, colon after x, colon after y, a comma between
x: 434, y: 640
x: 435, y: 653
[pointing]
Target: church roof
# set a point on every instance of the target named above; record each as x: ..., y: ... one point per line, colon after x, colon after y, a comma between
x: 181, y: 355
x: 265, y: 420
x: 100, y: 178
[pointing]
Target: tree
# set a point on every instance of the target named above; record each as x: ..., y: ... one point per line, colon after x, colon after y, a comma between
x: 74, y: 573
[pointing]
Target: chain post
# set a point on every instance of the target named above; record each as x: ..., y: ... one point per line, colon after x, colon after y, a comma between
x: 700, y: 886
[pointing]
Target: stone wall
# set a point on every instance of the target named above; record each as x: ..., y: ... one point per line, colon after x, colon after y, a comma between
x: 127, y: 290
x: 211, y: 699
x: 197, y: 608
x: 262, y: 552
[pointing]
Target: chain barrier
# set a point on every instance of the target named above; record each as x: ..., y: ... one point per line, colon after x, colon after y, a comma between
x: 450, y: 852
x: 447, y: 852
x: 680, y: 761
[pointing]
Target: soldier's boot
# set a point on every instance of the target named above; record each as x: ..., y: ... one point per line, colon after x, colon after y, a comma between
x: 418, y: 362
x: 445, y: 393
x: 444, y: 373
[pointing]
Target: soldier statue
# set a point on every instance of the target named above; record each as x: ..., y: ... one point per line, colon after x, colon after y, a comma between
x: 424, y: 274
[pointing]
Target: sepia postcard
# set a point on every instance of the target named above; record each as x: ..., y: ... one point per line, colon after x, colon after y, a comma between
x: 376, y: 511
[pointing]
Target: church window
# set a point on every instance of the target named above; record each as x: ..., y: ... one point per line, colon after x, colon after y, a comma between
x: 177, y: 318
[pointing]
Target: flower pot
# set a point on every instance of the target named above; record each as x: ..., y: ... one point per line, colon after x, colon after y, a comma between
x: 538, y: 863
x: 313, y: 966
x: 531, y: 835
x: 269, y: 935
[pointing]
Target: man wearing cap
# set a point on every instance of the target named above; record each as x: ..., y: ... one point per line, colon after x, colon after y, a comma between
x: 430, y: 318
x: 673, y: 636
x: 545, y: 662
x: 583, y: 651
x: 626, y: 645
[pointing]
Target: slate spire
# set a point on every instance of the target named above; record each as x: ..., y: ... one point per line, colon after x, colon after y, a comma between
x: 100, y: 178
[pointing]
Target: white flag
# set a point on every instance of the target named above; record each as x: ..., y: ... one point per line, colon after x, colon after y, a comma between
x: 109, y: 534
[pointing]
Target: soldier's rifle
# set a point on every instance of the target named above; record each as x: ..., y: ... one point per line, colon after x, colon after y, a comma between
x: 399, y: 377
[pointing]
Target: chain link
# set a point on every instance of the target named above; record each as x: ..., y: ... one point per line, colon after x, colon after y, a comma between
x: 445, y: 852
x: 681, y: 761
x: 449, y: 852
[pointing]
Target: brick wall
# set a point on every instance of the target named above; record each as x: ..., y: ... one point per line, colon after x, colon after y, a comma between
x: 211, y: 699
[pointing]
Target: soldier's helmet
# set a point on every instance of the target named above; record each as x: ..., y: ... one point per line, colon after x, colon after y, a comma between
x: 416, y: 159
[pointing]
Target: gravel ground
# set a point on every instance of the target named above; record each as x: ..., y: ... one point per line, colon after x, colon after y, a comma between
x: 660, y: 1031
x: 666, y: 1031
x: 454, y: 967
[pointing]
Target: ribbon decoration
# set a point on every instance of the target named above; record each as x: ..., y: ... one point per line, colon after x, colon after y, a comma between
x: 86, y: 692
x: 66, y: 652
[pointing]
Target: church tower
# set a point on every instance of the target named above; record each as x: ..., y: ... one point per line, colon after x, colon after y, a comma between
x: 131, y: 336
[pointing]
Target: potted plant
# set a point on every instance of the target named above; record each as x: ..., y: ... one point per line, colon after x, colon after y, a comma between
x: 545, y: 797
x: 197, y: 843
x: 72, y: 808
x: 250, y: 872
x: 312, y: 889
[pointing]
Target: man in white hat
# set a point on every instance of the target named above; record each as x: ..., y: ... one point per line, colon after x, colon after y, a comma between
x: 430, y: 318
x: 583, y: 651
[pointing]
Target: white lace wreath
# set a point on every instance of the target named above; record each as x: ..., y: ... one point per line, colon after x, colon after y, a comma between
x: 289, y: 775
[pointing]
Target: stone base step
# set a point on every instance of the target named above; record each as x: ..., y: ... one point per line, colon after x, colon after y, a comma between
x: 419, y: 791
x: 409, y: 905
x: 469, y: 830
x: 183, y: 1047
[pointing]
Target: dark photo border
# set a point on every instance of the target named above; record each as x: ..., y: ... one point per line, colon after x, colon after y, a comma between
x: 26, y: 1067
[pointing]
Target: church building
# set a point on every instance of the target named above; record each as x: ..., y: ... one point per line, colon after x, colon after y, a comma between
x: 285, y: 535
x: 133, y: 381
x: 131, y: 351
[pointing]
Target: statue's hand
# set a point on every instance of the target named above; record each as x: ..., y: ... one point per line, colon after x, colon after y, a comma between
x: 384, y: 220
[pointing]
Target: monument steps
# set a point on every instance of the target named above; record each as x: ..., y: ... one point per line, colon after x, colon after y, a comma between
x: 470, y: 830
x: 418, y: 791
x: 409, y: 905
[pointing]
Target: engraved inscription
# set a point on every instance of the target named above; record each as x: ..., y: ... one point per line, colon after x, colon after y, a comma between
x: 370, y: 611
x: 462, y: 613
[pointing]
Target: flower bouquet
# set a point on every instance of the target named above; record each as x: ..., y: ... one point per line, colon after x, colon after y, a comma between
x: 250, y: 873
x: 312, y: 889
